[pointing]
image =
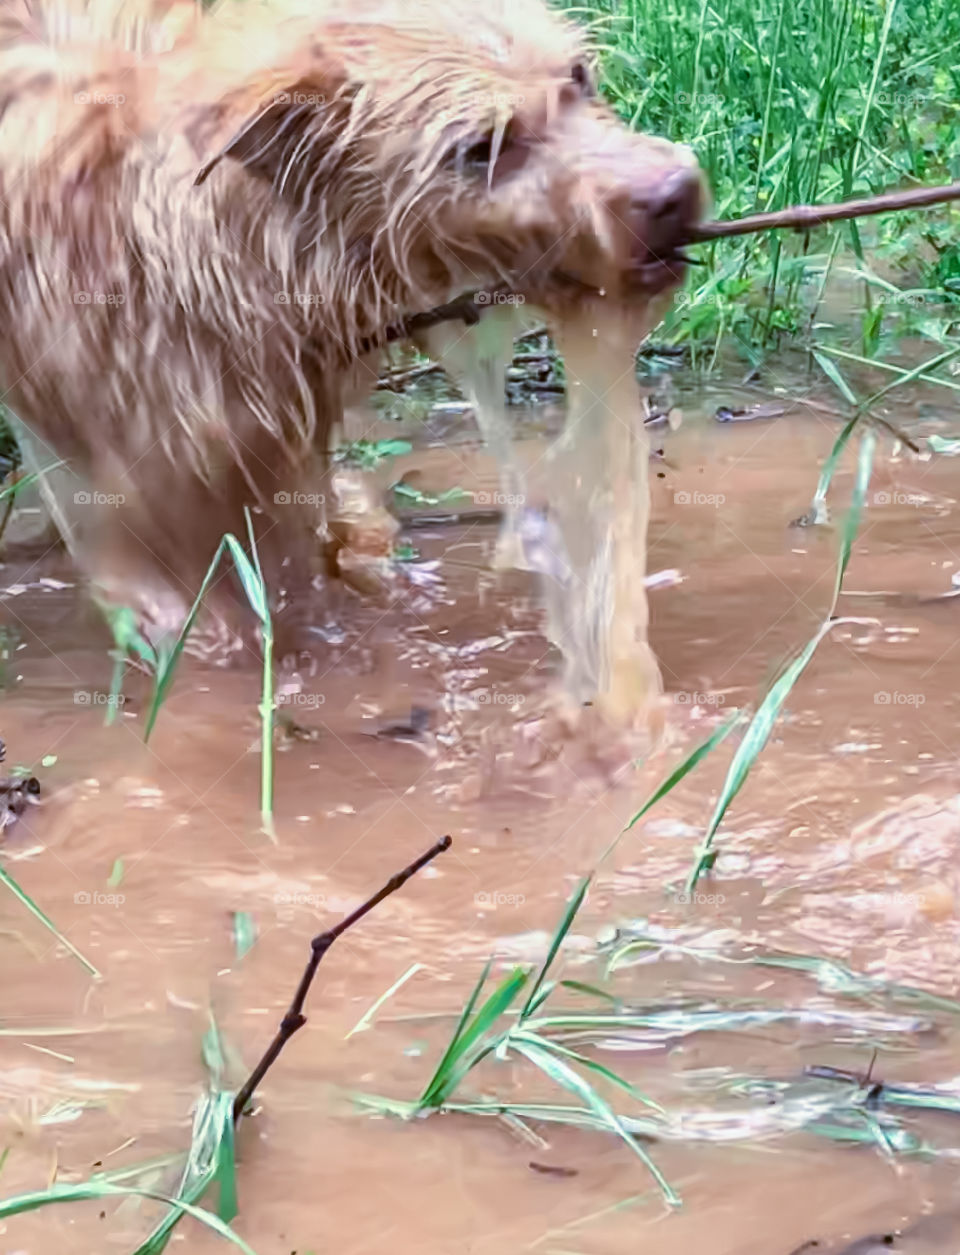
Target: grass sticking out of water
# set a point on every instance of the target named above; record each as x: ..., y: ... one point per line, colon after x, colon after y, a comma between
x: 210, y: 1164
x: 8, y: 881
x: 99, y: 1191
x: 788, y: 104
x: 761, y: 725
x: 167, y: 658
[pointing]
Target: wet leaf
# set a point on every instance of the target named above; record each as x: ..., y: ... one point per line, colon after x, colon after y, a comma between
x: 563, y: 1074
x: 97, y: 1190
x: 116, y: 874
x: 949, y: 446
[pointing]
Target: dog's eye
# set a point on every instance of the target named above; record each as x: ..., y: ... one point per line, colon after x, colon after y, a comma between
x: 477, y: 156
x: 583, y: 78
x: 473, y: 156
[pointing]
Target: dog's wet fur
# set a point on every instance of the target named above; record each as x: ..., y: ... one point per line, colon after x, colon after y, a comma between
x: 207, y: 220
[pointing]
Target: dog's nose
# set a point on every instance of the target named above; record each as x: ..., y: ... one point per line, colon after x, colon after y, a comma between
x: 665, y: 212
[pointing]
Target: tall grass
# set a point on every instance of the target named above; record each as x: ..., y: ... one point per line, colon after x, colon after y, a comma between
x: 787, y: 104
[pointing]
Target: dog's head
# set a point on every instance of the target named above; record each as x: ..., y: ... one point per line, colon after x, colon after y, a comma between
x: 427, y: 147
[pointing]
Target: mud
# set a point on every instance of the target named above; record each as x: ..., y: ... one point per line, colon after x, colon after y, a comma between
x: 842, y: 843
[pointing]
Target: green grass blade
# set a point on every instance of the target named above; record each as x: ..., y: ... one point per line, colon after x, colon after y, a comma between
x: 832, y: 372
x: 210, y: 1160
x: 750, y: 748
x: 560, y: 1071
x: 576, y: 901
x: 591, y: 1064
x: 367, y: 1018
x: 761, y: 725
x: 45, y: 920
x: 688, y: 764
x: 99, y: 1190
x: 852, y: 522
x: 250, y: 578
x: 31, y: 477
x: 448, y: 1055
x: 167, y: 663
x: 244, y: 932
x: 465, y: 1051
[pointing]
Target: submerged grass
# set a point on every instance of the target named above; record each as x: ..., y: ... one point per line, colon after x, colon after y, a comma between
x: 501, y: 1025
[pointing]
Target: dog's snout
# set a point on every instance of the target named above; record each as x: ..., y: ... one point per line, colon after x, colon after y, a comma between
x: 677, y: 201
x: 666, y: 211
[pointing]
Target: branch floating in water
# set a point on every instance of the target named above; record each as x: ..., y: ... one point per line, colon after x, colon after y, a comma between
x: 294, y: 1018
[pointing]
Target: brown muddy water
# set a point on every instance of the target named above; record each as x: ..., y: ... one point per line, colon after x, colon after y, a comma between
x: 843, y: 843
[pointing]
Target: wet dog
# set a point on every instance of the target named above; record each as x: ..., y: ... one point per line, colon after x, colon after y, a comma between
x: 209, y: 223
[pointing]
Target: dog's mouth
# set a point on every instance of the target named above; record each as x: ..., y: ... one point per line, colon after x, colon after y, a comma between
x: 648, y: 276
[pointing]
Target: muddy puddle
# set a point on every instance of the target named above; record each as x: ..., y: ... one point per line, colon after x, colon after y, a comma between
x: 842, y: 844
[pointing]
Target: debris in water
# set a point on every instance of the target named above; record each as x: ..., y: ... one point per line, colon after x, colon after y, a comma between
x: 16, y: 794
x: 734, y: 414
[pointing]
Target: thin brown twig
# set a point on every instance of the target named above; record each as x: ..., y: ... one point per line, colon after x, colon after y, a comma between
x: 294, y: 1018
x: 804, y: 217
